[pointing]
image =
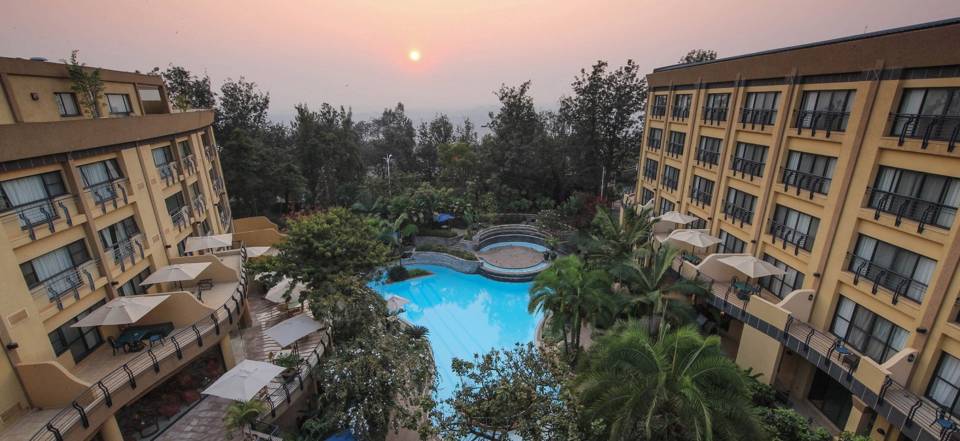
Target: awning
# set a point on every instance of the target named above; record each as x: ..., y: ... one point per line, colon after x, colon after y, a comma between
x: 208, y: 242
x: 276, y: 293
x: 677, y: 218
x: 244, y: 381
x: 176, y: 273
x: 751, y: 266
x: 121, y: 311
x: 293, y: 329
x: 395, y: 303
x: 696, y: 238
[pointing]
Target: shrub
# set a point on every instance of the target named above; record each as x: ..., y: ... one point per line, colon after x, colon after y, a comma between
x: 437, y: 232
x: 417, y: 332
x: 397, y: 273
x: 287, y: 361
x: 456, y: 252
x: 788, y: 425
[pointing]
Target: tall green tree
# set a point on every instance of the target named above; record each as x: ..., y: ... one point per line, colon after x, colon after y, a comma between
x: 185, y: 89
x: 614, y: 245
x: 393, y: 134
x: 242, y: 106
x: 430, y: 136
x: 679, y: 387
x: 659, y: 296
x: 86, y: 83
x: 698, y: 55
x: 328, y: 151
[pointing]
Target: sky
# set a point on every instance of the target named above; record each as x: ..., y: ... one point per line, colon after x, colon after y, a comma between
x: 355, y: 52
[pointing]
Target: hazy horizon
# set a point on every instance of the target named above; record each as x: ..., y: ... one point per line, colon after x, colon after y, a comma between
x: 354, y: 53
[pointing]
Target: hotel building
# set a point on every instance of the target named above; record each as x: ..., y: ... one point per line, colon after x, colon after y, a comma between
x: 838, y: 162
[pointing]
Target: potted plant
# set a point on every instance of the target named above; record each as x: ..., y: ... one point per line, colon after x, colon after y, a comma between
x: 290, y: 362
x: 241, y: 414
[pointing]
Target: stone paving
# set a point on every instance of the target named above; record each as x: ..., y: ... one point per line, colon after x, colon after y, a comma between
x: 512, y: 257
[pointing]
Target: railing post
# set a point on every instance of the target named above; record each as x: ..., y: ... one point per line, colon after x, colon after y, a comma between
x: 83, y: 414
x: 106, y: 393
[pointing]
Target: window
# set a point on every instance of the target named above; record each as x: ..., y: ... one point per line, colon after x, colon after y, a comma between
x: 923, y: 197
x: 748, y: 159
x: 730, y: 244
x: 701, y: 190
x: 31, y: 196
x: 650, y: 169
x: 699, y: 224
x: 807, y: 171
x: 901, y: 271
x: 666, y: 206
x: 133, y: 287
x: 653, y: 139
x: 928, y: 114
x: 185, y: 149
x: 781, y: 285
x: 715, y: 110
x: 825, y: 110
x: 97, y: 178
x: 659, y: 107
x: 182, y: 247
x: 67, y: 104
x: 162, y: 158
x: 944, y: 388
x: 759, y: 109
x: 175, y: 203
x: 671, y: 177
x: 115, y: 238
x: 205, y: 140
x: 794, y: 227
x: 646, y: 195
x: 195, y: 190
x: 868, y: 333
x: 119, y: 103
x: 81, y: 342
x: 708, y: 152
x: 56, y: 269
x: 675, y: 147
x: 681, y: 106
x: 739, y: 205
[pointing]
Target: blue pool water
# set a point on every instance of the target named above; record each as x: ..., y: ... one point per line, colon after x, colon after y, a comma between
x: 467, y: 314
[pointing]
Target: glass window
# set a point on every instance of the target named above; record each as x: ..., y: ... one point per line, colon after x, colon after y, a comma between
x: 730, y: 244
x: 901, y: 271
x: 79, y: 341
x: 681, y: 105
x: 647, y: 196
x: 162, y: 156
x: 868, y: 333
x: 119, y: 103
x: 749, y: 159
x: 650, y: 169
x: 699, y: 224
x: 794, y: 227
x: 21, y: 192
x: 825, y: 110
x: 944, y: 387
x: 655, y: 137
x: 132, y: 286
x: 715, y: 109
x: 175, y: 203
x: 701, y: 190
x: 50, y: 266
x: 709, y: 150
x: 119, y: 233
x: 807, y: 171
x: 760, y: 108
x: 928, y: 113
x: 675, y: 147
x: 781, y: 285
x: 739, y: 205
x: 671, y: 177
x: 67, y: 104
x: 666, y: 205
x: 185, y: 149
x: 659, y: 105
x: 923, y: 197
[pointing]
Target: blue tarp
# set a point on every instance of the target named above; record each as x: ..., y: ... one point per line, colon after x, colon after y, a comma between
x: 443, y: 217
x: 342, y: 436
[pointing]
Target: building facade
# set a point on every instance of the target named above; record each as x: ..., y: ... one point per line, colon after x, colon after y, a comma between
x: 837, y: 162
x: 91, y: 202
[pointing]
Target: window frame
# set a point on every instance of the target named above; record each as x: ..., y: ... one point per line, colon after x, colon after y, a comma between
x: 868, y: 333
x: 61, y: 107
x: 82, y: 333
x: 768, y: 282
x: 728, y: 240
x: 126, y: 102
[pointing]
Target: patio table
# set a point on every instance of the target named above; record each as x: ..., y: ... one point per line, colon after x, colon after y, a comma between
x: 694, y: 259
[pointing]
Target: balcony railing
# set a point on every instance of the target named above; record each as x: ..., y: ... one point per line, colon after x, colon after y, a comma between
x: 109, y: 193
x: 926, y: 128
x: 680, y: 112
x: 924, y: 212
x: 170, y: 173
x: 210, y: 152
x: 757, y: 117
x: 821, y: 120
x: 190, y: 162
x: 658, y: 111
x: 700, y: 196
x: 653, y: 143
x: 789, y: 235
x: 670, y: 183
x: 649, y: 175
x: 898, y: 284
x: 804, y: 181
x: 708, y: 157
x: 217, y: 184
x: 199, y: 206
x: 674, y: 149
x: 738, y: 213
x: 126, y: 252
x: 714, y: 115
x: 181, y: 218
x: 746, y: 167
x: 67, y: 282
x: 38, y: 214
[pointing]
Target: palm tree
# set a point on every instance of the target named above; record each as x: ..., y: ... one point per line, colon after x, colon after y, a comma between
x: 679, y: 387
x: 615, y: 245
x: 572, y: 295
x: 241, y: 414
x: 653, y: 290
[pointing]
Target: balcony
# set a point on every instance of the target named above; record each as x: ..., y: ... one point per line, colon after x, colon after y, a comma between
x: 790, y: 236
x: 199, y: 206
x: 927, y: 128
x: 190, y: 162
x: 674, y: 149
x: 714, y: 115
x: 737, y: 213
x: 670, y: 183
x: 823, y: 120
x: 746, y: 167
x: 124, y: 254
x: 210, y: 152
x: 804, y: 182
x: 881, y: 276
x: 108, y: 196
x: 41, y: 218
x: 170, y: 173
x: 680, y: 113
x: 707, y: 157
x: 181, y: 218
x: 658, y: 111
x: 650, y: 175
x: 217, y: 184
x: 923, y: 212
x: 757, y: 117
x: 74, y: 282
x: 700, y: 197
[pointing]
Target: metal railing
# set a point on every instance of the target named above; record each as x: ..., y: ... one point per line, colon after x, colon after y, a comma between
x: 881, y: 276
x: 112, y: 193
x: 709, y: 157
x: 649, y: 175
x: 924, y: 212
x: 682, y: 112
x: 210, y: 152
x: 280, y: 393
x: 714, y: 115
x: 190, y: 162
x: 757, y: 117
x: 670, y: 183
x: 170, y: 173
x: 46, y: 212
x: 674, y: 149
x: 804, y: 181
x: 653, y: 143
x: 926, y: 128
x: 700, y: 196
x: 67, y: 282
x: 825, y: 120
x: 658, y: 111
x: 199, y: 206
x: 737, y: 213
x: 789, y: 235
x: 746, y: 167
x: 181, y: 218
x: 217, y: 183
x: 147, y: 363
x: 126, y: 250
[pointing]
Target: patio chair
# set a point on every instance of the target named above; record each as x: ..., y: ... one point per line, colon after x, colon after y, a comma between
x: 114, y: 345
x: 155, y: 338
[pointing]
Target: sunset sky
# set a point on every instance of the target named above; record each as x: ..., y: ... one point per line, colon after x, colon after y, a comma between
x: 355, y: 52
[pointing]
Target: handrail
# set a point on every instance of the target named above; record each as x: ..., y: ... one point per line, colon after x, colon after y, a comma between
x: 787, y: 234
x: 100, y: 393
x: 43, y: 212
x: 922, y: 211
x: 68, y: 281
x: 279, y: 393
x: 680, y: 112
x: 674, y: 148
x: 746, y: 167
x: 755, y: 117
x: 670, y: 183
x: 181, y: 218
x: 898, y: 284
x: 714, y: 115
x: 737, y: 212
x: 803, y: 181
x: 653, y: 143
x: 128, y: 248
x: 700, y: 195
x: 926, y: 128
x: 708, y: 156
x: 658, y: 111
x: 191, y: 163
x: 830, y: 121
x: 109, y: 192
x: 169, y: 172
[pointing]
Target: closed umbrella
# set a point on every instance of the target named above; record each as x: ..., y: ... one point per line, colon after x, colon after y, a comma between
x: 276, y: 293
x: 208, y: 242
x: 395, y: 303
x: 677, y: 218
x: 121, y: 311
x: 696, y: 238
x: 244, y: 381
x: 751, y: 266
x: 176, y: 273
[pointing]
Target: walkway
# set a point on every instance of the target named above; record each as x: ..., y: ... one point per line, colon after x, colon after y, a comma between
x: 512, y: 257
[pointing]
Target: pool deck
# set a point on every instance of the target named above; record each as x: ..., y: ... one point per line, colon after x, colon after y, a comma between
x: 513, y: 257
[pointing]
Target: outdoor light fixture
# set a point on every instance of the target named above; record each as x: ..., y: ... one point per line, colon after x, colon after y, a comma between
x: 12, y: 345
x: 922, y: 330
x: 35, y: 96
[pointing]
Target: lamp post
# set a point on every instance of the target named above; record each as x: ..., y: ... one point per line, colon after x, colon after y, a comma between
x: 387, y: 159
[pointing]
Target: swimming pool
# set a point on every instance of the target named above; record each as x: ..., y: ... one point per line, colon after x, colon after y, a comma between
x: 467, y: 314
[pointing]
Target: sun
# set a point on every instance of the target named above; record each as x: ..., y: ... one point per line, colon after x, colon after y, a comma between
x: 414, y: 55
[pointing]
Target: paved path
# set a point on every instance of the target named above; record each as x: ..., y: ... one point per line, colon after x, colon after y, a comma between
x: 512, y: 257
x: 203, y: 422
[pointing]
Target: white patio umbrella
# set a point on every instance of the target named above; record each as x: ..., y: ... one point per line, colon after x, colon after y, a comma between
x: 244, y: 381
x: 260, y: 251
x: 677, y: 218
x: 276, y: 293
x: 121, y: 311
x: 293, y: 329
x: 697, y: 238
x: 176, y: 273
x: 208, y: 242
x: 395, y: 303
x: 751, y: 266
